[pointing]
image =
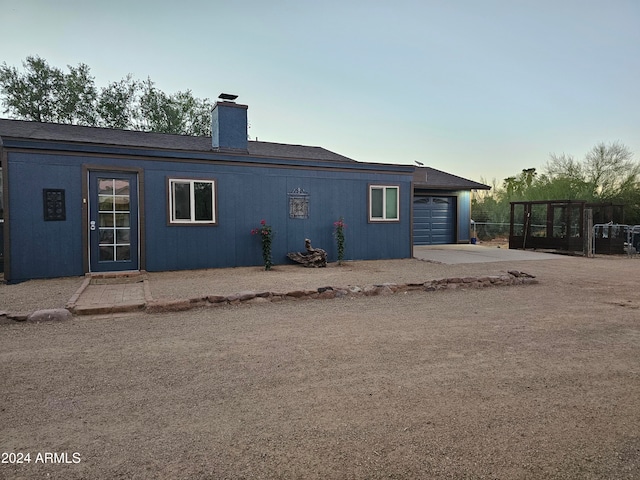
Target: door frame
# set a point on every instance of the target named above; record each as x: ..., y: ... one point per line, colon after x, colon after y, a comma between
x: 86, y: 168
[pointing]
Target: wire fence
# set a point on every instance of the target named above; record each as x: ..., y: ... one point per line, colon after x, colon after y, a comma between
x: 489, y: 230
x: 620, y: 235
x: 627, y: 235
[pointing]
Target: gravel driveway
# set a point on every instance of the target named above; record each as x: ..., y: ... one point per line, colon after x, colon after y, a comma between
x: 536, y: 381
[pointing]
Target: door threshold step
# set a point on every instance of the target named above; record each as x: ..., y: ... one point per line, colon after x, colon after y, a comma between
x: 106, y: 278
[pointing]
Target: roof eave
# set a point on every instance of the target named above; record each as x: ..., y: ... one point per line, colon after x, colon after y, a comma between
x: 425, y: 186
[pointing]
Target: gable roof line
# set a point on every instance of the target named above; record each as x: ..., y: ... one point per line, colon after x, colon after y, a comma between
x: 439, y: 180
x: 78, y: 134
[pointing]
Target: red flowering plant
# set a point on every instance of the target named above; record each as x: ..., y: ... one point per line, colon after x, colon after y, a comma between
x: 266, y: 234
x: 338, y: 232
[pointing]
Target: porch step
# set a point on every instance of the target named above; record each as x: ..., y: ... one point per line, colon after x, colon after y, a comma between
x: 112, y: 278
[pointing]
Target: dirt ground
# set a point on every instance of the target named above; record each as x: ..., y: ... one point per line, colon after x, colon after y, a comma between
x: 536, y: 381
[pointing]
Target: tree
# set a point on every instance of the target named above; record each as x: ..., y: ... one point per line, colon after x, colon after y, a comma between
x: 116, y: 105
x: 608, y: 173
x: 48, y: 94
x: 517, y: 186
x: 610, y: 170
x: 180, y: 113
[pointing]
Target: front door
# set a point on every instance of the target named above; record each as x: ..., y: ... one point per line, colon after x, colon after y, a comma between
x: 113, y: 221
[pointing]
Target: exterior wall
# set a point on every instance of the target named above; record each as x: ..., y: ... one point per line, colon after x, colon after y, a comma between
x: 37, y: 248
x: 2, y: 202
x: 464, y: 216
x: 463, y: 210
x: 245, y: 194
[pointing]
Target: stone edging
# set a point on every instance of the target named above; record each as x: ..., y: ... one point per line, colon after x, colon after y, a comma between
x: 513, y: 277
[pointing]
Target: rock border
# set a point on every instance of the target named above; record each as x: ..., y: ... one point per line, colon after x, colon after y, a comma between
x: 513, y: 277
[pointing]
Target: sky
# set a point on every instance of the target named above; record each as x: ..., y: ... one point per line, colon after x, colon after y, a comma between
x: 478, y: 88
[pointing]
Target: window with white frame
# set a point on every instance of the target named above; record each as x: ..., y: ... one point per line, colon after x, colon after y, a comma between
x: 192, y: 201
x: 384, y: 204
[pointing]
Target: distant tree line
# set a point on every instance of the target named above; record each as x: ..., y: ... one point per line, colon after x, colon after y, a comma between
x: 45, y: 93
x: 607, y: 174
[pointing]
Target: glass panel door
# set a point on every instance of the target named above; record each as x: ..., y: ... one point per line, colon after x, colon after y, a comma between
x: 113, y: 221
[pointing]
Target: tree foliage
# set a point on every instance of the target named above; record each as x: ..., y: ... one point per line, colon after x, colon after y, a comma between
x: 607, y: 174
x: 48, y: 94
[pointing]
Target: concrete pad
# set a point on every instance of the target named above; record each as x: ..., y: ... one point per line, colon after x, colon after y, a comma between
x: 104, y: 298
x: 467, y: 253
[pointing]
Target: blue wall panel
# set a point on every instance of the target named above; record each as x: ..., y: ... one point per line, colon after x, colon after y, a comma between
x: 464, y: 216
x: 39, y: 248
x: 245, y: 195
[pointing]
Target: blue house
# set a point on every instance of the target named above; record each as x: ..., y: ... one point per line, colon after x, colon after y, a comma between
x: 81, y: 199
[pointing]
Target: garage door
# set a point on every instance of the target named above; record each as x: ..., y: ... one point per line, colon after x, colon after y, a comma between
x: 434, y: 220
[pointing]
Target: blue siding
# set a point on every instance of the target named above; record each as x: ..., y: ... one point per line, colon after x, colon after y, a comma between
x: 464, y: 216
x: 245, y: 195
x: 248, y: 195
x: 42, y: 249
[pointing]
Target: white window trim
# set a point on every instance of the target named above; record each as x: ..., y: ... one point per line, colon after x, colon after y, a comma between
x: 384, y: 203
x: 192, y: 200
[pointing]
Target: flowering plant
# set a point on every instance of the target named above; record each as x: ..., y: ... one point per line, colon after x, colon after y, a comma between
x: 338, y: 232
x: 266, y: 234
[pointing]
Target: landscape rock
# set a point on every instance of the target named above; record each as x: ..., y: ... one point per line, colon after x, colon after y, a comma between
x: 385, y: 290
x: 519, y: 274
x: 258, y: 300
x: 296, y: 294
x: 50, y: 315
x: 326, y: 294
x: 246, y: 295
x: 18, y: 316
x: 216, y: 299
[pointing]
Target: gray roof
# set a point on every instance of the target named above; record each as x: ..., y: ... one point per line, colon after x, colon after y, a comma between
x: 430, y: 178
x: 106, y: 136
x: 55, y: 132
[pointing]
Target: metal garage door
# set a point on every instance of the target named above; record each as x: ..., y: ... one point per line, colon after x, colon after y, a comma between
x: 434, y: 220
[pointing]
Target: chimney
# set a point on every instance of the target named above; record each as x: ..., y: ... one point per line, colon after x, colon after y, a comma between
x: 229, y: 124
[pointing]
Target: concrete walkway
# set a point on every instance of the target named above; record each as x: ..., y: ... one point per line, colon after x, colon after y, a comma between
x: 111, y: 293
x: 466, y: 253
